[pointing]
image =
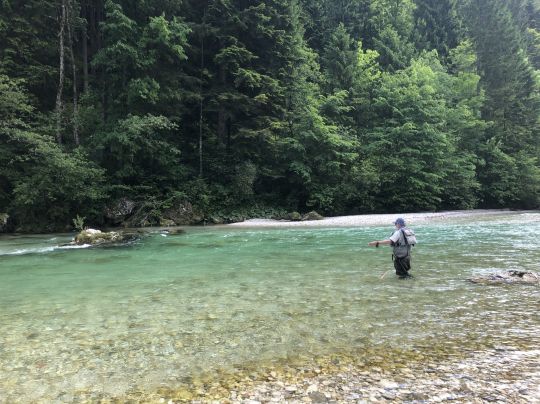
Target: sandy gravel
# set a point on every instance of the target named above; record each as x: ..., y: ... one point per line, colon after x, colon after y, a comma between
x: 378, y: 219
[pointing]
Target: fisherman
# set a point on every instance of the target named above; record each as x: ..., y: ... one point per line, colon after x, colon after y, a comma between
x: 401, y: 240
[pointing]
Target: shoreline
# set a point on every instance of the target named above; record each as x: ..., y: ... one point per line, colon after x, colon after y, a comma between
x: 372, y: 219
x: 382, y: 219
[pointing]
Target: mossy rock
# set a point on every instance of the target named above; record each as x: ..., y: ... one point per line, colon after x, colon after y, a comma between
x: 97, y: 237
x: 93, y: 237
x: 120, y: 210
x: 3, y: 222
x: 312, y: 216
x: 166, y: 222
x: 182, y: 213
x: 293, y: 217
x: 216, y: 220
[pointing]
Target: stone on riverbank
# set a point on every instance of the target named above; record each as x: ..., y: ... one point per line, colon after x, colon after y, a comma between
x: 512, y: 276
x: 182, y: 213
x: 3, y: 222
x: 166, y: 223
x: 293, y: 217
x: 120, y: 210
x: 312, y: 216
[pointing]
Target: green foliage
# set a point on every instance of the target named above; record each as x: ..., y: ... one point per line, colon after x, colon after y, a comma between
x: 512, y: 102
x: 28, y: 46
x: 244, y: 108
x: 316, y: 157
x: 42, y: 185
x: 78, y: 223
x: 437, y: 25
x: 243, y: 181
x: 339, y: 60
x: 137, y: 151
x: 392, y: 27
x: 419, y: 143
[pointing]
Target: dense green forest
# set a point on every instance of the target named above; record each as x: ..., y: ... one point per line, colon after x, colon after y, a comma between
x: 188, y: 110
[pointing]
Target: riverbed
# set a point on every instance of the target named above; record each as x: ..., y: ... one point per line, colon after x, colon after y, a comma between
x: 272, y: 314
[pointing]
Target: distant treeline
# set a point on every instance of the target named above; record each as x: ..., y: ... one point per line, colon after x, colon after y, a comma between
x: 339, y: 106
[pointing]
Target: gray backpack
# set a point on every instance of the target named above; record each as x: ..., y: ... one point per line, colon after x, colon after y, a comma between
x: 407, y: 239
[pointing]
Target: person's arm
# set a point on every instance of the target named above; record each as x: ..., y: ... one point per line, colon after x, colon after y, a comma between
x: 380, y: 242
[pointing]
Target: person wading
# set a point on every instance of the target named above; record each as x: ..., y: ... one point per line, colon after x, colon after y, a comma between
x: 402, y: 241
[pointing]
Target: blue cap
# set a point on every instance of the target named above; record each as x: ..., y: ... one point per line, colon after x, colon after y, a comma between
x: 400, y: 221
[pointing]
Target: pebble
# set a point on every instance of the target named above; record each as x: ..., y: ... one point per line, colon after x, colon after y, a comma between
x: 386, y: 384
x: 317, y: 397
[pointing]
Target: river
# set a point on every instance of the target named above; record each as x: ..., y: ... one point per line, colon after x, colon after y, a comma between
x: 99, y: 323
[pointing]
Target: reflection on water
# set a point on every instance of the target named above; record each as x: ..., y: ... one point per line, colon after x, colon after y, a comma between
x: 168, y: 308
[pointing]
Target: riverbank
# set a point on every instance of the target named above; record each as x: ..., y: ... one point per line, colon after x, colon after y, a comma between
x: 383, y: 219
x: 502, y: 374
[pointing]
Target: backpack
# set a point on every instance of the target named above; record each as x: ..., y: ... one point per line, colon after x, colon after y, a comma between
x: 409, y: 236
x: 406, y: 241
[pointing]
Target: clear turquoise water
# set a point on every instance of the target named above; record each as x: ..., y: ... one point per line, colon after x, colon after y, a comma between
x: 136, y: 318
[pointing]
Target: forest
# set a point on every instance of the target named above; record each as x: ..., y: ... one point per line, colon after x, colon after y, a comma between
x: 229, y: 109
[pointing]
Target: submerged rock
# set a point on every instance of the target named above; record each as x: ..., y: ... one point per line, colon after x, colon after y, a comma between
x: 174, y: 231
x: 511, y: 276
x: 97, y: 237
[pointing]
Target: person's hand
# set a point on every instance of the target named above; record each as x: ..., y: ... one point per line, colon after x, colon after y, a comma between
x: 372, y: 244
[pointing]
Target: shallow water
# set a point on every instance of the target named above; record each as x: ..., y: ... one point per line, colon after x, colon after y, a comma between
x: 111, y: 321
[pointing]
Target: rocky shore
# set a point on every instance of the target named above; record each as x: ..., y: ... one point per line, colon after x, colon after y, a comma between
x: 501, y: 374
x: 474, y: 380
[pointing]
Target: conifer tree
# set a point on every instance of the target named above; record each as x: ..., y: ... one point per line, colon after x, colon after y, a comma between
x: 324, y: 16
x: 512, y: 104
x: 339, y: 60
x: 317, y: 158
x: 437, y: 25
x: 40, y: 185
x: 391, y: 32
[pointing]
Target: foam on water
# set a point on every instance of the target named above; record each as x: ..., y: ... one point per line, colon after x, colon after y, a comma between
x: 41, y: 250
x: 23, y: 251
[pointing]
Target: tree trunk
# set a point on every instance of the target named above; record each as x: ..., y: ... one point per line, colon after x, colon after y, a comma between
x: 222, y: 112
x: 74, y: 71
x: 228, y: 125
x: 59, y: 105
x: 201, y: 109
x: 222, y: 124
x: 104, y: 98
x: 85, y: 53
